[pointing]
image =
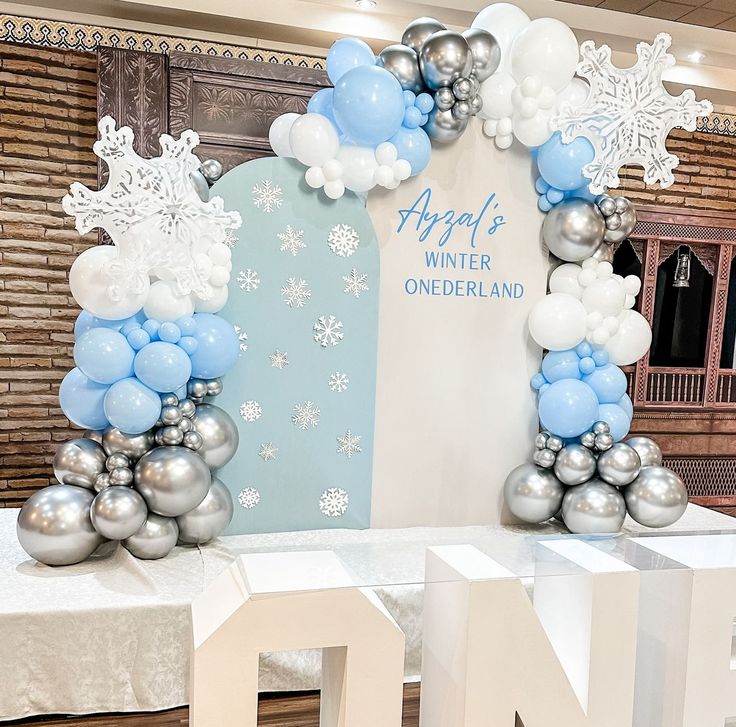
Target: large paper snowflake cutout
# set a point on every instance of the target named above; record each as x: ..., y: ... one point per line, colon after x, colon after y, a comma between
x: 628, y: 114
x: 327, y: 331
x: 295, y: 293
x: 152, y: 212
x: 343, y: 240
x: 291, y: 240
x: 349, y: 444
x: 333, y: 502
x: 305, y: 415
x: 355, y: 283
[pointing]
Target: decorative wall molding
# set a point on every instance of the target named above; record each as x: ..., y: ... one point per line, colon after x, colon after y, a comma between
x: 720, y: 123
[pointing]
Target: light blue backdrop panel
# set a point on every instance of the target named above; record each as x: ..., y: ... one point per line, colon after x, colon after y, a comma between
x: 304, y: 297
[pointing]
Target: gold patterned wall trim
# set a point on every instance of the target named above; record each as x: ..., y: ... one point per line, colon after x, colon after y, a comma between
x: 80, y: 37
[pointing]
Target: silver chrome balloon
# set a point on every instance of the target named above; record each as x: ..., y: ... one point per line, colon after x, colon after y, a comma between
x: 95, y: 436
x: 200, y: 185
x: 118, y: 512
x: 461, y: 110
x: 648, y: 450
x: 656, y: 498
x: 533, y: 494
x: 402, y: 63
x: 604, y: 253
x: 208, y: 520
x: 619, y: 465
x: 443, y: 127
x: 54, y: 525
x: 601, y: 427
x: 154, y: 539
x: 605, y: 204
x: 169, y: 400
x: 102, y: 481
x: 445, y: 56
x: 134, y: 446
x: 485, y: 50
x: 554, y: 443
x: 78, y: 462
x: 211, y: 170
x: 117, y: 460
x: 603, y: 442
x: 573, y: 230
x: 462, y: 89
x: 627, y: 214
x: 476, y: 105
x: 219, y: 435
x: 214, y: 387
x: 594, y: 507
x: 540, y: 441
x: 197, y: 388
x: 187, y: 407
x: 613, y: 222
x: 544, y: 458
x: 121, y: 477
x: 587, y: 439
x: 444, y: 99
x: 574, y: 465
x: 172, y: 480
x: 186, y: 425
x: 170, y: 415
x: 418, y: 31
x: 192, y: 440
x: 172, y: 435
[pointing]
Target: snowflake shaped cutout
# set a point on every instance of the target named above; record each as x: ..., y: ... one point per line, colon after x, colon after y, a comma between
x: 355, y: 283
x: 250, y: 411
x: 327, y: 331
x: 628, y: 114
x: 249, y: 497
x: 296, y: 293
x: 291, y: 240
x: 343, y: 240
x: 333, y: 502
x: 267, y: 196
x: 279, y: 359
x: 338, y: 382
x: 248, y: 280
x: 305, y: 415
x: 349, y: 444
x: 267, y: 451
x: 242, y: 339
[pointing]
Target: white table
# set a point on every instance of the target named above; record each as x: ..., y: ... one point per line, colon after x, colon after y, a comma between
x: 113, y: 634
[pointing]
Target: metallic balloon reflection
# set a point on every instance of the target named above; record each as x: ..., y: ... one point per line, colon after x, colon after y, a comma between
x: 573, y: 230
x: 444, y: 57
x: 209, y: 519
x: 485, y: 50
x: 133, y: 446
x: 533, y: 494
x: 595, y: 507
x: 402, y: 62
x: 648, y: 450
x: 574, y: 464
x: 154, y: 539
x: 118, y: 512
x: 656, y: 498
x: 219, y: 435
x: 619, y: 465
x: 443, y: 127
x: 78, y: 462
x: 418, y: 31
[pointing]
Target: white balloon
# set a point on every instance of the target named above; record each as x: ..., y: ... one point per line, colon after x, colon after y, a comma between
x: 315, y: 177
x: 575, y: 93
x: 557, y: 322
x: 278, y: 134
x: 164, y: 304
x: 504, y: 22
x: 534, y: 131
x: 547, y: 49
x: 564, y: 279
x: 90, y: 283
x: 214, y: 303
x: 605, y: 296
x: 496, y: 95
x: 313, y: 140
x: 631, y: 341
x: 358, y: 166
x: 334, y: 189
x: 386, y: 154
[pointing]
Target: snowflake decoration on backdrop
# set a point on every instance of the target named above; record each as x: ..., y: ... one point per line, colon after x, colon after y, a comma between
x: 250, y: 410
x: 327, y: 331
x: 267, y: 451
x: 333, y: 502
x: 248, y: 280
x: 295, y: 293
x: 343, y: 240
x: 355, y: 283
x: 152, y: 212
x: 267, y: 196
x: 242, y: 338
x: 279, y: 359
x: 230, y: 239
x: 249, y: 497
x: 291, y: 240
x: 349, y: 444
x: 628, y: 114
x: 338, y: 382
x: 305, y: 415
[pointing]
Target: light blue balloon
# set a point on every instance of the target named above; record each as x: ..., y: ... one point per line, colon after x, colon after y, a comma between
x: 561, y: 164
x: 81, y: 399
x: 163, y: 366
x: 583, y: 193
x: 618, y: 420
x: 627, y: 405
x: 541, y: 186
x: 131, y: 406
x: 600, y: 356
x: 558, y: 365
x: 425, y: 103
x: 346, y: 54
x: 369, y: 104
x: 412, y: 117
x: 104, y: 355
x: 587, y: 365
x: 568, y: 408
x: 321, y: 103
x: 538, y: 381
x: 217, y: 346
x: 608, y: 382
x: 86, y: 321
x: 554, y: 195
x: 544, y: 204
x: 414, y: 146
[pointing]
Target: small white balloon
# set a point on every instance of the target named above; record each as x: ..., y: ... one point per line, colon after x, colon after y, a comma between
x: 163, y: 303
x: 564, y: 279
x: 605, y: 296
x: 631, y: 341
x: 332, y: 169
x: 278, y: 134
x: 334, y: 189
x: 386, y: 154
x: 313, y: 140
x: 214, y: 303
x: 504, y: 141
x: 358, y: 166
x: 496, y: 93
x: 557, y: 322
x: 219, y: 253
x: 401, y: 169
x: 315, y: 177
x: 383, y: 176
x: 533, y: 131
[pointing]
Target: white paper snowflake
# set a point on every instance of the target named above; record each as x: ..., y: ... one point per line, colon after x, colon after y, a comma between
x: 250, y: 410
x: 267, y: 196
x: 343, y: 240
x: 152, y: 212
x: 267, y: 451
x: 355, y: 283
x: 333, y: 502
x: 327, y: 331
x: 291, y: 240
x: 248, y: 280
x: 279, y: 359
x: 628, y: 114
x: 349, y: 444
x: 305, y: 415
x: 295, y: 293
x: 338, y: 382
x: 242, y: 338
x: 249, y: 497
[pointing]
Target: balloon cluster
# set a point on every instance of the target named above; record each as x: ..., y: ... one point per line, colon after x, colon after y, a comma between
x: 591, y: 488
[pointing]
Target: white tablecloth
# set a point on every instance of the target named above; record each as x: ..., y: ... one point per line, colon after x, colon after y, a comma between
x: 113, y: 634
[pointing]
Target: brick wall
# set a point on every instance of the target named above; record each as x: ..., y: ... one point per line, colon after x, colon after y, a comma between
x: 47, y: 127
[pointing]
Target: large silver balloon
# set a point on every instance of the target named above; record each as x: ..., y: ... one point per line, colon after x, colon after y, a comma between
x: 445, y: 56
x: 648, y: 450
x: 402, y: 62
x: 626, y: 211
x: 118, y: 512
x: 656, y: 498
x: 442, y: 126
x: 78, y: 462
x: 134, y: 446
x: 206, y: 521
x: 573, y: 229
x: 154, y: 539
x: 485, y: 50
x: 418, y: 31
x: 219, y: 435
x: 574, y: 465
x: 54, y: 525
x: 172, y: 480
x: 533, y: 494
x: 595, y: 507
x: 619, y: 465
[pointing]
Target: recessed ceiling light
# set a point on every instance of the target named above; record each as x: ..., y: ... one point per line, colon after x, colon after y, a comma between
x: 696, y: 56
x: 365, y: 4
